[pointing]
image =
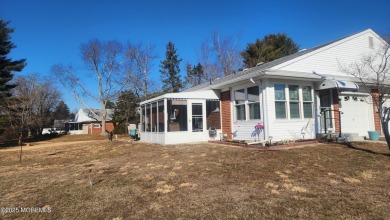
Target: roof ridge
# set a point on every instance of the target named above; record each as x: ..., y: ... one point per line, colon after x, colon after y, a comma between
x: 274, y: 63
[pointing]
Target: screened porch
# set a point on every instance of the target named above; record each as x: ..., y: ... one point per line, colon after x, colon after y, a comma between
x: 181, y: 118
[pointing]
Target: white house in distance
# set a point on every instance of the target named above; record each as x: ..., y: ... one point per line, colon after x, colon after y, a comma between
x: 294, y: 97
x: 86, y: 122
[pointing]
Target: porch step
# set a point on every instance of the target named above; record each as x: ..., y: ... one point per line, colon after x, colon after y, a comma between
x: 353, y: 137
x: 345, y: 137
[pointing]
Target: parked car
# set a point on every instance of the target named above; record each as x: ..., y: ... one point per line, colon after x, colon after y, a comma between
x: 52, y: 131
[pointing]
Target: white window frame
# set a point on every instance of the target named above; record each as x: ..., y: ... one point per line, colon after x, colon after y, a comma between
x: 287, y: 101
x: 311, y: 102
x: 286, y: 115
x: 294, y: 101
x: 246, y: 104
x: 240, y: 104
x: 96, y: 125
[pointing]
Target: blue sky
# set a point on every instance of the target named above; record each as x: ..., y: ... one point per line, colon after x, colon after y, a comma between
x: 49, y: 32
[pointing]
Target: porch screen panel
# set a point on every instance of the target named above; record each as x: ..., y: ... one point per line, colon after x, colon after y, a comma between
x: 239, y: 100
x: 143, y: 118
x: 177, y: 115
x: 148, y: 118
x: 280, y: 101
x: 254, y: 102
x: 161, y: 119
x: 154, y: 117
x: 307, y: 102
x: 294, y: 101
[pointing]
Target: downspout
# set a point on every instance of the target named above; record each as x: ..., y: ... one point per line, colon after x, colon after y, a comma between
x: 231, y: 112
x: 266, y: 116
x: 165, y: 120
x: 316, y: 113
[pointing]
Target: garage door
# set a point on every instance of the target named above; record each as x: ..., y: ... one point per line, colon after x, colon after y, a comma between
x: 357, y: 117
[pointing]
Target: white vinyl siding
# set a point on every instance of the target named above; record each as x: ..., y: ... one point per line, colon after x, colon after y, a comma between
x: 327, y: 60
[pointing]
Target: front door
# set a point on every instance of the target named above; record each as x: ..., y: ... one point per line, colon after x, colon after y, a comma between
x: 326, y: 123
x: 196, y: 116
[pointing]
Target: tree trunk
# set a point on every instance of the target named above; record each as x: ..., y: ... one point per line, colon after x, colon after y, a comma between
x: 104, y: 112
x: 385, y: 125
x: 21, y: 145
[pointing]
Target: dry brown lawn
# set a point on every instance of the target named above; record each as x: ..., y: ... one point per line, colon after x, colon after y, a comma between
x: 78, y: 178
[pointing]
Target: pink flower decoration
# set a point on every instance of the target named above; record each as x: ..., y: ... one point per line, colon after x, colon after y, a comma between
x: 259, y: 127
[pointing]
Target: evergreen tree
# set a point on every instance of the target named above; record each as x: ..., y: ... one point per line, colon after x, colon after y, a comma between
x: 195, y: 75
x: 272, y: 47
x: 61, y: 111
x: 110, y: 105
x: 7, y: 66
x: 125, y: 110
x: 170, y: 70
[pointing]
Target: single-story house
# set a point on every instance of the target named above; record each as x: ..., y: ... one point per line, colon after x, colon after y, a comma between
x: 88, y: 122
x: 294, y: 97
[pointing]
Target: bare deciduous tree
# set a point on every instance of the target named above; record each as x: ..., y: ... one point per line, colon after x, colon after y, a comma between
x: 34, y: 101
x: 103, y: 60
x: 219, y: 56
x: 29, y: 108
x: 373, y: 72
x: 139, y: 62
x: 228, y: 54
x: 210, y: 65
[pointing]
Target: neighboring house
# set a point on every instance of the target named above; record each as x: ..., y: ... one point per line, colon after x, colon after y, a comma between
x: 294, y: 97
x: 86, y: 122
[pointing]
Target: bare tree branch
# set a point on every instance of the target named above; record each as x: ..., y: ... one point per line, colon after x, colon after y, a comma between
x: 104, y: 60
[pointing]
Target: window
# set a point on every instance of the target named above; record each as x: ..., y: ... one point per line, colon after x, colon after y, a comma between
x: 294, y: 101
x: 177, y: 121
x: 280, y: 101
x: 239, y: 98
x: 299, y: 99
x: 247, y: 102
x: 254, y: 102
x: 160, y: 116
x: 307, y: 102
x: 370, y: 43
x: 96, y: 125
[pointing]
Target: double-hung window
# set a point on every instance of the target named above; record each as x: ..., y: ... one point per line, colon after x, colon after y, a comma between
x: 254, y: 102
x: 297, y: 104
x: 280, y: 101
x: 239, y: 99
x: 307, y: 102
x: 247, y: 103
x: 293, y: 92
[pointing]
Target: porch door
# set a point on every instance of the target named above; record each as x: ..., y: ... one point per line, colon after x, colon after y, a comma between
x: 196, y: 116
x: 326, y: 104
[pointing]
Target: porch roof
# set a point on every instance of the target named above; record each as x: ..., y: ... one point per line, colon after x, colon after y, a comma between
x: 338, y: 84
x: 202, y: 94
